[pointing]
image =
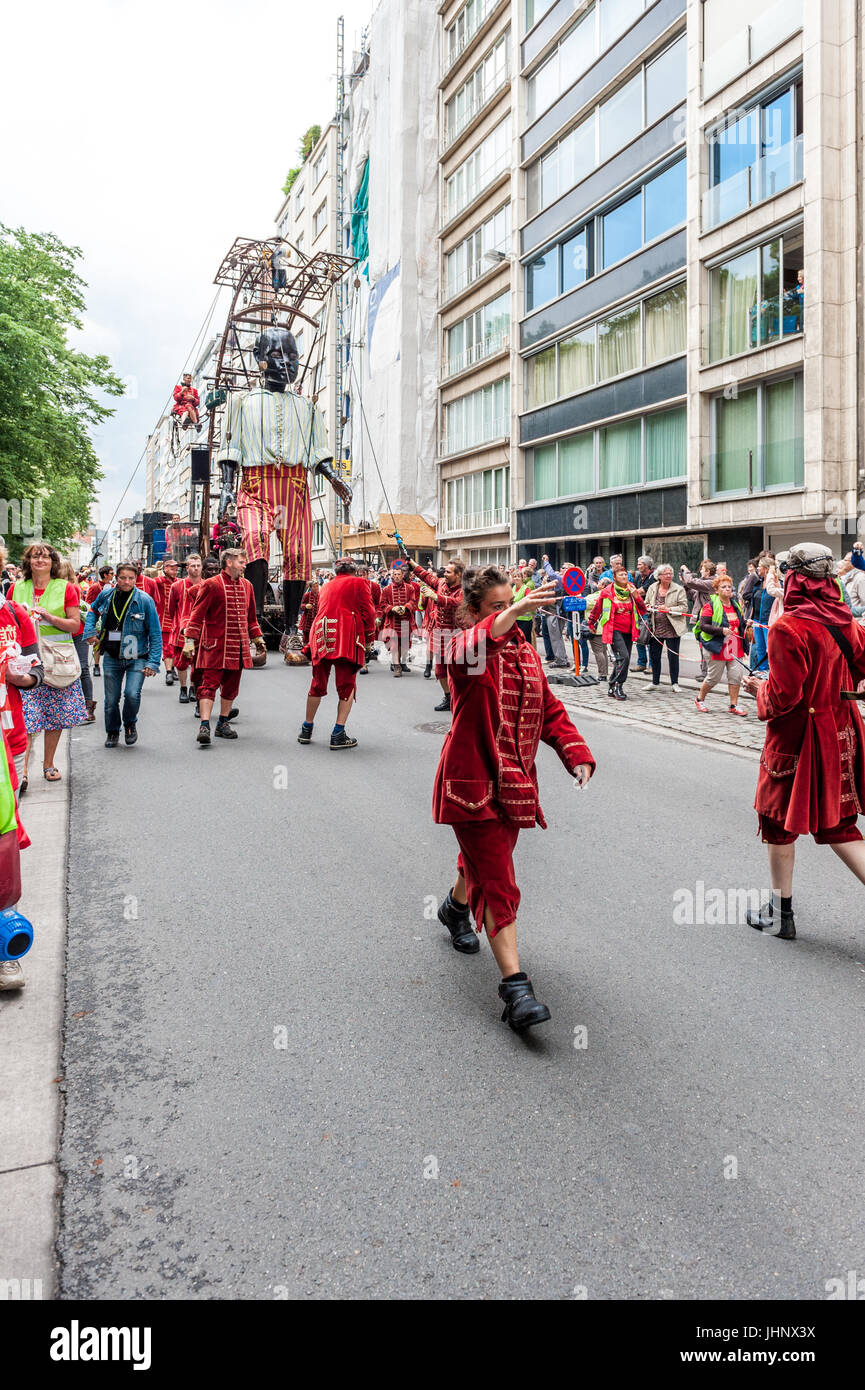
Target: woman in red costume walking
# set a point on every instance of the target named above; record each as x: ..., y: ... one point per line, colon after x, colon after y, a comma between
x: 812, y: 777
x: 486, y: 786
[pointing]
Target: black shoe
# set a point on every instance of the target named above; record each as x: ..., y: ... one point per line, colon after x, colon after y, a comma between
x: 342, y: 741
x: 223, y: 728
x: 364, y: 671
x: 168, y: 680
x: 612, y: 692
x: 305, y: 735
x: 184, y: 695
x: 204, y: 732
x: 617, y: 692
x: 458, y: 921
x: 130, y: 736
x: 197, y: 712
x: 427, y: 671
x: 522, y: 1009
x: 765, y: 920
x: 445, y: 703
x: 112, y: 740
x: 233, y: 713
x: 404, y: 669
x: 96, y: 671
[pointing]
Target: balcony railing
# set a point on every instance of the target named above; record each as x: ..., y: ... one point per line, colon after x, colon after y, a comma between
x: 754, y: 41
x: 467, y: 277
x: 468, y: 195
x: 478, y: 352
x: 466, y: 439
x: 488, y: 520
x: 456, y: 50
x: 456, y: 128
x: 769, y: 175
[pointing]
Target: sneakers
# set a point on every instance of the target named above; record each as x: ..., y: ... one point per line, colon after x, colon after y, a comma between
x: 702, y: 706
x: 677, y: 689
x: 224, y: 729
x: 305, y: 735
x: 112, y: 740
x: 445, y: 703
x: 653, y: 685
x: 130, y: 736
x: 204, y: 732
x: 737, y: 709
x: 342, y: 741
x: 11, y: 975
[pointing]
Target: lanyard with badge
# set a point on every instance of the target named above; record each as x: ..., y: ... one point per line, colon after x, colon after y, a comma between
x: 115, y: 634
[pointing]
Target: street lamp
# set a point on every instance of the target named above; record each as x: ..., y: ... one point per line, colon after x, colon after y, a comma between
x: 497, y: 257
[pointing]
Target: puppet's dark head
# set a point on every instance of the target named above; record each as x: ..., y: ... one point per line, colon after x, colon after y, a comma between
x: 276, y: 351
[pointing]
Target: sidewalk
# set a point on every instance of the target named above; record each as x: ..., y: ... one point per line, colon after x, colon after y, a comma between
x: 31, y: 1025
x: 663, y: 710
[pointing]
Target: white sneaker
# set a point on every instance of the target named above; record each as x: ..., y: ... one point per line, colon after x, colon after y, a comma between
x: 677, y: 688
x: 11, y: 975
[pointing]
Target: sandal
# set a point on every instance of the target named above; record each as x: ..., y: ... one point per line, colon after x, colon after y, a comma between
x: 51, y: 774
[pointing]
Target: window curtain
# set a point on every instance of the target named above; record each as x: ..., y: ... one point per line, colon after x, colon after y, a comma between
x: 736, y: 435
x: 577, y: 464
x: 577, y: 362
x: 619, y: 343
x: 784, y: 458
x: 666, y: 446
x: 734, y: 307
x: 541, y: 379
x: 544, y: 472
x: 620, y: 455
x: 666, y: 324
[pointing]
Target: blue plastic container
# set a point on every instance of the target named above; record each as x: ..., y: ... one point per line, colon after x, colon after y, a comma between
x: 16, y: 935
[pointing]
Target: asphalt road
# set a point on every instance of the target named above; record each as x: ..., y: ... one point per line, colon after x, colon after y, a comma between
x: 271, y: 1050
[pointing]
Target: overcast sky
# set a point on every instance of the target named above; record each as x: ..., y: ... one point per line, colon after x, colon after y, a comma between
x: 148, y: 134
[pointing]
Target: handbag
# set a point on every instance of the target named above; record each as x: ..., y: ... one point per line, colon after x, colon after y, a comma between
x: 60, y: 660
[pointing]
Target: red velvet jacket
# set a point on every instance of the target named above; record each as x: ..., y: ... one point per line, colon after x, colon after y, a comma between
x: 446, y: 601
x: 206, y: 624
x: 181, y: 600
x: 470, y: 783
x: 344, y: 623
x: 162, y: 587
x: 184, y: 396
x: 395, y: 596
x: 810, y: 730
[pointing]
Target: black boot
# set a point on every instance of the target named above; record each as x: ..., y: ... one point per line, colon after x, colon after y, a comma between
x: 404, y: 669
x: 766, y: 920
x: 112, y: 740
x: 457, y: 918
x: 522, y: 1009
x: 256, y: 573
x: 223, y: 728
x: 445, y: 703
x: 183, y: 697
x: 620, y: 694
x: 342, y: 740
x: 427, y: 671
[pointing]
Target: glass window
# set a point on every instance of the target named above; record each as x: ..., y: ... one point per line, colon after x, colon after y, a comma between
x: 666, y: 324
x: 665, y: 200
x: 543, y: 87
x: 666, y: 445
x: 620, y: 455
x: 535, y: 10
x: 577, y: 362
x: 577, y: 154
x: 733, y: 322
x: 540, y: 378
x: 542, y: 279
x: 575, y: 260
x: 622, y: 229
x: 544, y: 472
x: 735, y: 441
x: 666, y: 82
x: 619, y: 343
x: 793, y: 283
x: 770, y: 278
x: 577, y: 50
x: 616, y: 17
x: 577, y: 464
x: 621, y: 117
x: 783, y: 462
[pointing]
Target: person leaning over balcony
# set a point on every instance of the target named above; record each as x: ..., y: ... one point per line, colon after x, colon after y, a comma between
x: 721, y: 631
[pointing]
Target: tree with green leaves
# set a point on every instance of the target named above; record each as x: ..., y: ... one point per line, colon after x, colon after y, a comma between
x: 51, y: 397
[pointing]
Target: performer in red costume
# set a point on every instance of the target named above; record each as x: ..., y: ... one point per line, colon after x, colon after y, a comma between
x: 427, y: 605
x: 181, y: 598
x: 395, y: 618
x: 343, y: 629
x: 448, y: 599
x: 486, y: 785
x: 162, y: 586
x: 308, y: 610
x: 812, y: 772
x: 186, y: 402
x: 218, y: 634
x: 375, y: 590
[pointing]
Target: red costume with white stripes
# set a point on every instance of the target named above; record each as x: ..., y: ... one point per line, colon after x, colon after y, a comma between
x: 486, y: 785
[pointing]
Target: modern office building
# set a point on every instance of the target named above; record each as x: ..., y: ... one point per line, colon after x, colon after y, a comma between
x: 626, y: 338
